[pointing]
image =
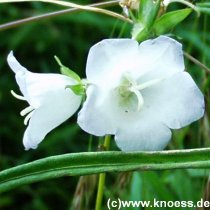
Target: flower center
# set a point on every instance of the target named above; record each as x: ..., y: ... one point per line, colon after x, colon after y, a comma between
x: 130, y: 93
x: 129, y: 96
x: 28, y: 111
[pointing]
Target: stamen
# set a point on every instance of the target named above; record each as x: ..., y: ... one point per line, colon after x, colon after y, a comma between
x: 139, y: 98
x: 18, y: 96
x: 26, y: 110
x: 28, y: 117
x: 149, y: 83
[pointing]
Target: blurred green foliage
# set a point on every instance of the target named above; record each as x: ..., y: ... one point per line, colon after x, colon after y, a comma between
x: 69, y: 37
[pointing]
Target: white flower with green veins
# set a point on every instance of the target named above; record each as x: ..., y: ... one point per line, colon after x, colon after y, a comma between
x: 139, y: 92
x: 50, y: 102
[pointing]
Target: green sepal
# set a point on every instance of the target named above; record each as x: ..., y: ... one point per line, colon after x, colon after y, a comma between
x: 77, y: 89
x: 66, y: 71
x: 169, y: 20
x: 148, y: 12
x: 140, y: 32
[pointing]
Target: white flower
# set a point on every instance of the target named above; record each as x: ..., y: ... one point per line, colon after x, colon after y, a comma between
x: 139, y: 92
x: 50, y: 102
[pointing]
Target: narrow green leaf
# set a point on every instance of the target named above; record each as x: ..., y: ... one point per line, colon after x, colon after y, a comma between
x: 148, y: 11
x: 140, y: 32
x: 169, y: 20
x: 66, y: 71
x: 98, y: 162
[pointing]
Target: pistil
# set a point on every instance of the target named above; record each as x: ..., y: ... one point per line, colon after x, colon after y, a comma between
x: 28, y: 111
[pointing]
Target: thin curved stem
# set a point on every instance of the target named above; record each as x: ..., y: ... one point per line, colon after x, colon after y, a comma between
x: 73, y: 5
x: 185, y: 2
x: 197, y: 62
x: 53, y: 14
x: 102, y: 178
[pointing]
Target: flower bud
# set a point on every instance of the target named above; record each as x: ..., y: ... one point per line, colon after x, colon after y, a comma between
x: 130, y: 4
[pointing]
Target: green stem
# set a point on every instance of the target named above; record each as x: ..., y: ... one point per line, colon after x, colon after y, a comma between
x: 90, y: 143
x: 187, y: 3
x: 99, y: 198
x: 107, y: 142
x: 53, y: 14
x: 102, y: 178
x: 197, y: 62
x: 73, y: 5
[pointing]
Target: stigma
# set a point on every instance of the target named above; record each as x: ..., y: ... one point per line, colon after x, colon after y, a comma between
x: 28, y: 111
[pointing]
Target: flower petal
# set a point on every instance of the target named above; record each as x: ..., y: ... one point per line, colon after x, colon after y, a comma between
x: 38, y: 88
x: 94, y: 117
x: 50, y: 115
x: 146, y: 135
x: 19, y: 71
x: 108, y: 59
x: 176, y: 101
x: 102, y: 114
x: 160, y: 57
x: 14, y: 64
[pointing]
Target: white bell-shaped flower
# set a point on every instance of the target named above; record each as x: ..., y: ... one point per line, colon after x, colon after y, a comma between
x: 50, y: 102
x: 139, y: 92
